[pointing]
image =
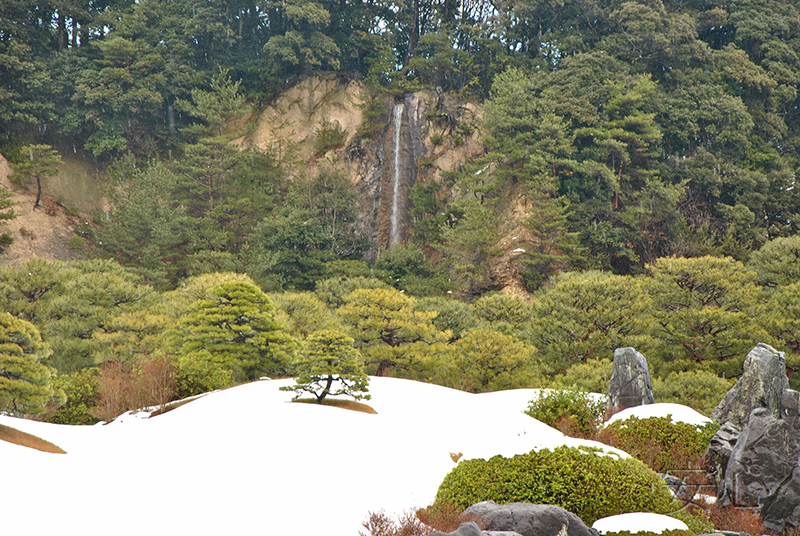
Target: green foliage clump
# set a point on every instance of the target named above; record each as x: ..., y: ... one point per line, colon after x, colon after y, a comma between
x: 82, y: 390
x: 24, y: 380
x: 578, y: 408
x: 593, y: 376
x: 701, y: 390
x: 777, y: 263
x: 561, y: 477
x: 660, y: 442
x: 329, y: 136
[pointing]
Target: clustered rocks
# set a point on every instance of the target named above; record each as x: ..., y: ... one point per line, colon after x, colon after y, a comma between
x: 755, y: 454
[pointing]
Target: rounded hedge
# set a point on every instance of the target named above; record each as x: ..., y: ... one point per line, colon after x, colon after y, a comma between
x: 584, y: 411
x: 585, y: 481
x: 660, y: 442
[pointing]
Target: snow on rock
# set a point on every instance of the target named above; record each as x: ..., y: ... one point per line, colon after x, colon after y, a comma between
x: 247, y: 461
x: 679, y: 413
x: 638, y: 522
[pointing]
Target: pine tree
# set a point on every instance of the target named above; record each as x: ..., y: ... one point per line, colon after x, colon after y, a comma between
x: 38, y: 162
x: 330, y: 358
x: 235, y: 328
x: 24, y: 381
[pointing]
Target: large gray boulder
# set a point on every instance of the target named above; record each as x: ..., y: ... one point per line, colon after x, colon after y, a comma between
x: 782, y: 509
x: 765, y: 454
x: 470, y: 528
x: 529, y: 519
x: 720, y: 448
x: 630, y: 380
x: 762, y: 385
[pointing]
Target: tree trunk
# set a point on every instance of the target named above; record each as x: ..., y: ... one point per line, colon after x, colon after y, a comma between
x: 38, y: 192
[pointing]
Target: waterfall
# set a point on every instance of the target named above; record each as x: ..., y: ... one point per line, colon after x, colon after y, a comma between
x: 394, y: 232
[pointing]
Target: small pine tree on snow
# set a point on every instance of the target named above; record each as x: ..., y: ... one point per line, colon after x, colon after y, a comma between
x: 329, y: 358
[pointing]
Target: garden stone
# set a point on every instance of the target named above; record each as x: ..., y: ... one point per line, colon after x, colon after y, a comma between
x: 764, y: 455
x: 529, y: 519
x: 720, y: 447
x: 465, y: 529
x: 762, y: 384
x: 630, y: 380
x: 677, y: 487
x: 782, y: 509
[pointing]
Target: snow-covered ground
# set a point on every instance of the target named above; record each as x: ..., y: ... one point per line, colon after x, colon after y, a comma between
x: 638, y: 522
x: 678, y: 412
x: 247, y: 461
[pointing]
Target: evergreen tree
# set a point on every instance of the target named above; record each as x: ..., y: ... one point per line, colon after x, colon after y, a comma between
x: 588, y: 315
x: 385, y: 325
x: 235, y: 328
x: 24, y: 380
x: 327, y: 359
x: 37, y: 162
x: 704, y: 313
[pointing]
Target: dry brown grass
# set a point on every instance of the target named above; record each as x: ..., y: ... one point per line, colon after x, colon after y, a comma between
x: 352, y: 405
x: 736, y: 519
x: 12, y: 435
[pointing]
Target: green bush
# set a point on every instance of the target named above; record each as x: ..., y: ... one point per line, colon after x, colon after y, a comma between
x: 82, y: 390
x: 585, y: 481
x: 572, y: 411
x: 659, y: 442
x: 329, y: 136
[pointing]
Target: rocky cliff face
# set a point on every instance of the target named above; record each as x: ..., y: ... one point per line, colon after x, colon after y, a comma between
x: 384, y: 167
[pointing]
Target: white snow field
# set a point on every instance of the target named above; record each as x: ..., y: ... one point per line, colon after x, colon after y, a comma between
x: 678, y: 412
x: 638, y: 522
x: 248, y: 461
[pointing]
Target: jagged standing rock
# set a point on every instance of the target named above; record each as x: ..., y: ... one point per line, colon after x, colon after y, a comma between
x: 529, y: 519
x: 765, y: 454
x: 720, y: 448
x: 630, y: 381
x: 762, y: 384
x: 782, y: 508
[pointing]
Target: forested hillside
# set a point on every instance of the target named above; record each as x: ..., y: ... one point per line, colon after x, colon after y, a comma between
x: 614, y: 139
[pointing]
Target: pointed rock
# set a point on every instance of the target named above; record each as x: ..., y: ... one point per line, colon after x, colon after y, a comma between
x: 762, y: 385
x: 630, y: 380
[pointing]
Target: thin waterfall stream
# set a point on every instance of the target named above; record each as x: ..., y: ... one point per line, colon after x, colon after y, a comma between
x: 394, y: 230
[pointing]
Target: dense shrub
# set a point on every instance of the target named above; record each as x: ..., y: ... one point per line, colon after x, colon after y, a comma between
x: 572, y: 411
x: 659, y: 442
x: 82, y: 390
x: 585, y: 481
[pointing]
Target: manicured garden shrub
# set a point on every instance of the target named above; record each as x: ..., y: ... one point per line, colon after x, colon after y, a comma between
x: 572, y: 411
x: 588, y: 482
x: 660, y: 442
